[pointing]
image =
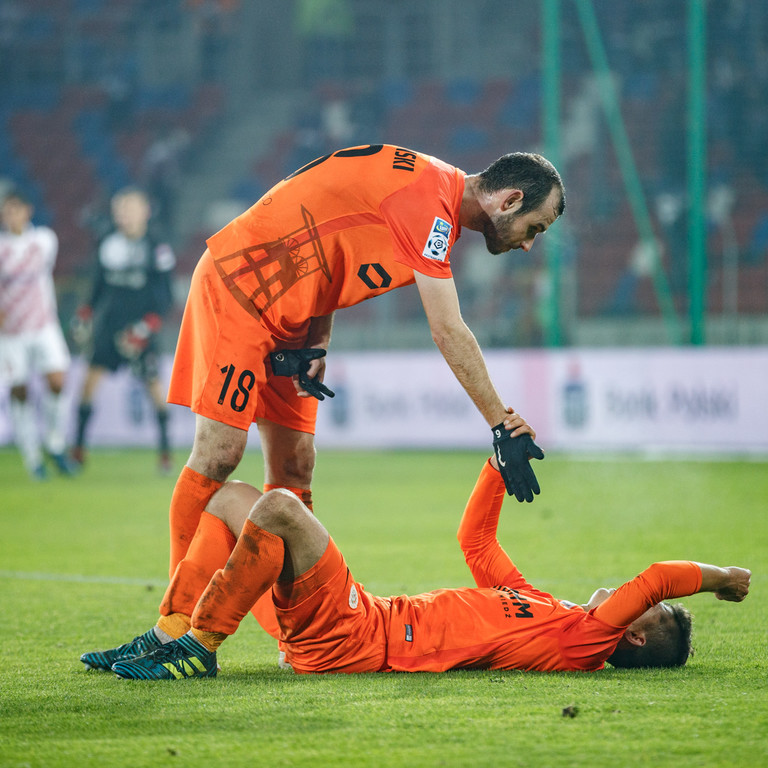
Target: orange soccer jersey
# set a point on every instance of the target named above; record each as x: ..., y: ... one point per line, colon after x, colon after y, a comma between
x: 343, y: 228
x: 503, y: 623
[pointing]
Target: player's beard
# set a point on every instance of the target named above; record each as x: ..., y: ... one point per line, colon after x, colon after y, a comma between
x: 498, y: 232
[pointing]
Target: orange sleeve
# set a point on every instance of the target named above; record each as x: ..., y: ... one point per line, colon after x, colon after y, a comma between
x: 490, y: 565
x: 423, y: 219
x: 672, y: 578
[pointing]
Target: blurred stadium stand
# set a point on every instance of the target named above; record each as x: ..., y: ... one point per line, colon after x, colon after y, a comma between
x: 207, y: 103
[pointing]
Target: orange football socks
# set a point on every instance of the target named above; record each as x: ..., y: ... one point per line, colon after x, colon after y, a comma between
x: 192, y: 493
x: 209, y: 551
x: 253, y: 567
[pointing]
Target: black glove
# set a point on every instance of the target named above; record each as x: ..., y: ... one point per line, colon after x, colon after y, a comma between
x: 292, y: 362
x: 513, y: 454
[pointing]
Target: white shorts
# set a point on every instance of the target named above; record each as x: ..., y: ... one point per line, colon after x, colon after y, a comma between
x: 23, y: 354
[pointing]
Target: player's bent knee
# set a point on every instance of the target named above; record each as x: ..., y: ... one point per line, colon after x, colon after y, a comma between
x: 232, y: 503
x: 278, y: 511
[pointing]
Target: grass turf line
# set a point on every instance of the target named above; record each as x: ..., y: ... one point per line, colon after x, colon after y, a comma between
x: 395, y: 516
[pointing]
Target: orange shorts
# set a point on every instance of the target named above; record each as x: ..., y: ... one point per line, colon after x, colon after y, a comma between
x: 328, y: 622
x: 221, y: 369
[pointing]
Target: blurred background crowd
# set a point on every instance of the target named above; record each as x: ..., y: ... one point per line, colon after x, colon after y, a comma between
x: 207, y: 103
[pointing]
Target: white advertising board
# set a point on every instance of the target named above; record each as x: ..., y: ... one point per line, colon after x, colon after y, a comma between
x: 710, y: 400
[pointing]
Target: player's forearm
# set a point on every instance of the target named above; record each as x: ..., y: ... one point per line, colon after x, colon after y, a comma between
x: 464, y: 357
x: 712, y: 577
x: 320, y: 331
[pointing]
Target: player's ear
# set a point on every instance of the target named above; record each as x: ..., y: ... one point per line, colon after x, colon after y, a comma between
x: 512, y: 200
x: 635, y: 637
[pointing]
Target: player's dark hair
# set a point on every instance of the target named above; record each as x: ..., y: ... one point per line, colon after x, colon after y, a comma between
x: 532, y: 174
x: 666, y: 645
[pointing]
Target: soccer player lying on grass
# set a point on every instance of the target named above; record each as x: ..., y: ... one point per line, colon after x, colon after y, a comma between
x: 329, y: 623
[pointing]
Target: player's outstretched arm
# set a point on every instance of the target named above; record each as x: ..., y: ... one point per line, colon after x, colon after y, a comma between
x: 461, y: 351
x: 730, y: 583
x: 458, y: 345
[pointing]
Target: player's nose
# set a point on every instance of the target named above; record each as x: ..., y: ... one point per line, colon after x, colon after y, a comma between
x: 526, y: 245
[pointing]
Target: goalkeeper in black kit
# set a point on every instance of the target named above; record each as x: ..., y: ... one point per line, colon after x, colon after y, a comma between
x: 118, y: 326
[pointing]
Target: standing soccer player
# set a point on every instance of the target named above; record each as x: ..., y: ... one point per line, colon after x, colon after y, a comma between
x: 31, y: 339
x: 131, y: 293
x: 344, y: 228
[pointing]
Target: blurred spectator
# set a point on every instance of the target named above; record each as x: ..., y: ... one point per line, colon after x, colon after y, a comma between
x: 31, y: 340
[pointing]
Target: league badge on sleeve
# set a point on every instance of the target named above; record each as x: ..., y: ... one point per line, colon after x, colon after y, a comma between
x: 438, y: 241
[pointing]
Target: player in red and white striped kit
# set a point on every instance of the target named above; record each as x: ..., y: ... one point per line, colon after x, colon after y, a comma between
x: 31, y: 339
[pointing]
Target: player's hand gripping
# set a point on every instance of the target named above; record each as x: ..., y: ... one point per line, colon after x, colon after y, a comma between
x: 297, y: 363
x: 513, y: 455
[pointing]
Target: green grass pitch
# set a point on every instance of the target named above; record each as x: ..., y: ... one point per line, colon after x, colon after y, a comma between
x: 83, y: 563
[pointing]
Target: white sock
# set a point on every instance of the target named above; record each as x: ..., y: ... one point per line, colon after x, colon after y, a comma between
x: 163, y: 637
x: 24, y: 417
x: 55, y: 410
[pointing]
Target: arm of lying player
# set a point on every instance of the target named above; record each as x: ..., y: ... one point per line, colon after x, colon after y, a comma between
x: 665, y: 580
x: 477, y: 534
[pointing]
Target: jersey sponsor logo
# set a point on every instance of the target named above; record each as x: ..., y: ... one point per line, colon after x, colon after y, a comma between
x: 404, y: 160
x: 353, y: 597
x: 438, y: 241
x: 512, y: 596
x: 384, y: 278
